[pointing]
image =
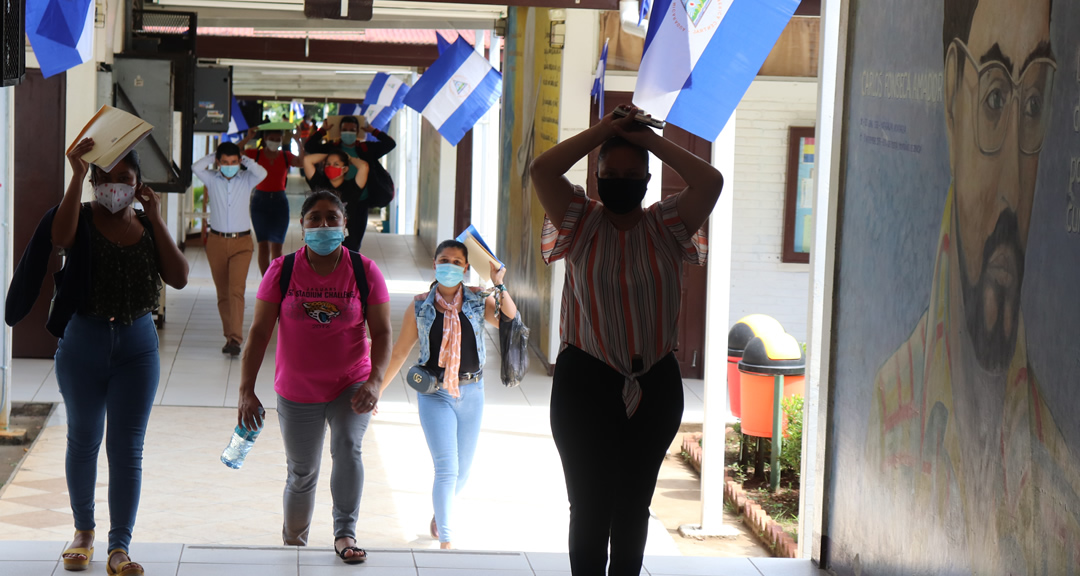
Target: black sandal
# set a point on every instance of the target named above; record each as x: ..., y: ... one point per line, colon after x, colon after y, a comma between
x: 359, y: 557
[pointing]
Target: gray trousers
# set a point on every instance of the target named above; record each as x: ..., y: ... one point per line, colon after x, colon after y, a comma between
x: 303, y: 427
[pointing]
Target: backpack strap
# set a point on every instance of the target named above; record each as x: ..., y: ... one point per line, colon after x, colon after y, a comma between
x: 286, y: 274
x: 362, y: 287
x: 361, y: 280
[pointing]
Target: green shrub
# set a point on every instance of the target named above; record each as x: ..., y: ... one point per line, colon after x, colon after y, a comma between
x: 791, y: 447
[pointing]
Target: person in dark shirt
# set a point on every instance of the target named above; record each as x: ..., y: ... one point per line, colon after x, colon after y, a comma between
x: 332, y: 176
x: 107, y: 363
x: 351, y: 142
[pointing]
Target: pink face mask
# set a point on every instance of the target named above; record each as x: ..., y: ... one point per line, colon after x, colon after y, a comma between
x: 114, y: 197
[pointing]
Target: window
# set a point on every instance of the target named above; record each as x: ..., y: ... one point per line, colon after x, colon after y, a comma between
x: 798, y: 196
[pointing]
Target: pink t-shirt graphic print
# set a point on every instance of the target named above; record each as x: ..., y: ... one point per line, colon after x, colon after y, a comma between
x: 322, y: 344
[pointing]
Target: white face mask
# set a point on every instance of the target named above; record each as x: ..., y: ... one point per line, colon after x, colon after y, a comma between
x: 273, y: 145
x: 114, y: 197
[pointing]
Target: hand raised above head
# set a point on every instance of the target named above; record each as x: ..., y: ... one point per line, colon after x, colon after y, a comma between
x: 75, y: 157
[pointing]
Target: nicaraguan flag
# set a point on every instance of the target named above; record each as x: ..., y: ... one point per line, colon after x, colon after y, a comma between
x: 61, y: 33
x: 443, y: 43
x: 237, y: 124
x: 350, y: 110
x: 385, y: 96
x: 701, y: 56
x: 598, y: 81
x: 456, y: 91
x: 644, y: 14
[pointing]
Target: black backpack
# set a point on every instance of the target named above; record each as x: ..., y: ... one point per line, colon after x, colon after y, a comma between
x: 358, y: 269
x: 380, y: 186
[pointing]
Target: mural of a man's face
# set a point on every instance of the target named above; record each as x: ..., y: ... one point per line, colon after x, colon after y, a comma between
x: 997, y: 88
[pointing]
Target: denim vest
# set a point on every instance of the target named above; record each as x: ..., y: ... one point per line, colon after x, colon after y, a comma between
x: 473, y: 307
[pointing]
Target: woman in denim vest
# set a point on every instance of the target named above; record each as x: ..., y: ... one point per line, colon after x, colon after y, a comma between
x: 451, y: 346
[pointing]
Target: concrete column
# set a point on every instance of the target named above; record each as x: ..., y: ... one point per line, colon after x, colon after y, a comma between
x: 7, y: 257
x: 717, y: 309
x: 834, y: 25
x: 447, y: 185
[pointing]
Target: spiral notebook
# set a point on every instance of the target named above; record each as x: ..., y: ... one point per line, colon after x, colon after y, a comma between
x: 115, y: 133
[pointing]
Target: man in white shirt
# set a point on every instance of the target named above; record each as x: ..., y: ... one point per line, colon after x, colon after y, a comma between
x: 229, y: 246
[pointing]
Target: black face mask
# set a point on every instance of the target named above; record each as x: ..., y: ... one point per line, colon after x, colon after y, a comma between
x: 621, y: 195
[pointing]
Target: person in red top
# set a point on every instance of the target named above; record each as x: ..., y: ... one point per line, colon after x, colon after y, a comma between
x: 269, y: 206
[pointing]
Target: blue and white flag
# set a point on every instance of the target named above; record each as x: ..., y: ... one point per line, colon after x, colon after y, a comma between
x: 61, y: 33
x: 237, y: 123
x: 443, y: 43
x: 646, y: 5
x: 701, y: 56
x: 350, y: 110
x: 456, y: 91
x: 598, y: 81
x: 296, y: 111
x: 385, y: 96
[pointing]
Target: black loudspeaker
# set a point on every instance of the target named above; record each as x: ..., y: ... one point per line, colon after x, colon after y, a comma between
x: 331, y: 10
x: 13, y: 20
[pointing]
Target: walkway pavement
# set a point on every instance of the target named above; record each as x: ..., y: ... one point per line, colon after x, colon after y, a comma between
x: 515, y: 501
x: 39, y: 559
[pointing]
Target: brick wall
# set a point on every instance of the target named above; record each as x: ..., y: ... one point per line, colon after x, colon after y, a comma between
x: 760, y: 282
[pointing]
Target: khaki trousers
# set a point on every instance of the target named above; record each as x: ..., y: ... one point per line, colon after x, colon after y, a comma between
x: 230, y: 259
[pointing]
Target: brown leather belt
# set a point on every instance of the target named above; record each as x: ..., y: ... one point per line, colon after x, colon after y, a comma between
x: 230, y: 234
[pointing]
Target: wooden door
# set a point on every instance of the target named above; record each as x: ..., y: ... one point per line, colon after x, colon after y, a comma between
x: 694, y: 280
x: 463, y: 185
x: 38, y: 186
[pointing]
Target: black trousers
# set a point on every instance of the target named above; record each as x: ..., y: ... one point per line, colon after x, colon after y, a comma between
x: 611, y: 462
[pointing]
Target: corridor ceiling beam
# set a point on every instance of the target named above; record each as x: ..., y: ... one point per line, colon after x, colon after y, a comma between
x: 327, y: 51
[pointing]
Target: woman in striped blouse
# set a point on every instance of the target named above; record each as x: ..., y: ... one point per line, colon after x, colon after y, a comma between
x: 616, y: 379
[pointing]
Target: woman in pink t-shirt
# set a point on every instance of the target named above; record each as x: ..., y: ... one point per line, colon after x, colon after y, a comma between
x: 327, y: 372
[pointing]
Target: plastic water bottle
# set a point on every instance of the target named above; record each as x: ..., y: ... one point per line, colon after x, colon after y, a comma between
x: 241, y: 443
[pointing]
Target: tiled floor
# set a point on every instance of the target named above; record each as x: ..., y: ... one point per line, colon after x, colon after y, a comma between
x: 39, y: 559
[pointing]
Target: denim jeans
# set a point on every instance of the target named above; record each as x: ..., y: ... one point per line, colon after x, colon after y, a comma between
x: 452, y: 428
x: 107, y: 369
x: 269, y: 216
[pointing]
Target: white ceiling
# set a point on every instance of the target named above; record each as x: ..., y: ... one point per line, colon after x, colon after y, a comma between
x: 312, y: 82
x: 288, y: 15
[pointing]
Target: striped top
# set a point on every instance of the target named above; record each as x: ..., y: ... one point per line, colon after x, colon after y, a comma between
x: 623, y: 289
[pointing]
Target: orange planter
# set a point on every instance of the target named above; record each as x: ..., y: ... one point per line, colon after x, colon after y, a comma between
x: 757, y: 401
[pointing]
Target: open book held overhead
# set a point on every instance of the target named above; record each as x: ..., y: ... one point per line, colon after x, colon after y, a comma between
x: 115, y: 133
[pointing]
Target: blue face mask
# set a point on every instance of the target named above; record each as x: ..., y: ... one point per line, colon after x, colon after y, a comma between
x: 348, y: 137
x: 324, y: 240
x: 230, y: 171
x: 449, y: 275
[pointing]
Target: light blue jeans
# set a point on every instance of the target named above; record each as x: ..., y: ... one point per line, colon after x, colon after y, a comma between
x: 452, y: 428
